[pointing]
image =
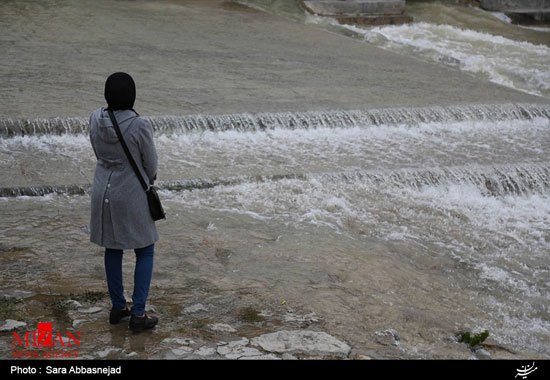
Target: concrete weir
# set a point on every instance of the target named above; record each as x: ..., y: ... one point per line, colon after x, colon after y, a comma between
x: 536, y: 9
x: 372, y: 12
x: 212, y: 57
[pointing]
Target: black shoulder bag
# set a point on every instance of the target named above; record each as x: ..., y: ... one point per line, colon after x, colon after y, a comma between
x: 157, y: 212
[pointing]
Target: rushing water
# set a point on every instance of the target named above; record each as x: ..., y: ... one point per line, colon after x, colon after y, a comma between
x: 425, y: 220
x: 464, y: 188
x: 483, y: 43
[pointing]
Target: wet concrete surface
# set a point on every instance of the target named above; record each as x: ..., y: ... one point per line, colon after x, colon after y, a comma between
x: 221, y: 289
x: 238, y: 290
x: 209, y: 57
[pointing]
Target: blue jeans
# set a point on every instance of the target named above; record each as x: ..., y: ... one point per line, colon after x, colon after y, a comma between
x: 142, y: 277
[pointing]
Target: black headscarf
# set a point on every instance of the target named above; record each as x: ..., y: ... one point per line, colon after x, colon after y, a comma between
x: 120, y: 91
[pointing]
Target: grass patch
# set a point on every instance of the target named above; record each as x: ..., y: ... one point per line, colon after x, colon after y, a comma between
x: 8, y: 308
x: 89, y: 296
x: 199, y: 324
x: 57, y: 304
x: 198, y: 329
x: 249, y: 314
x: 473, y: 340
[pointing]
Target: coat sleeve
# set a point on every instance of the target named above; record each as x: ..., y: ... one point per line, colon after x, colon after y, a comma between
x: 91, y: 137
x: 147, y: 149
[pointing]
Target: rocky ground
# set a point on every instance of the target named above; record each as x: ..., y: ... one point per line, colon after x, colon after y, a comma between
x: 186, y: 332
x: 210, y: 326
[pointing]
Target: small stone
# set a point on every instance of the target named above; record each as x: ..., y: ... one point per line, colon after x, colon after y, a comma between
x: 73, y: 304
x: 90, y: 310
x: 265, y: 314
x: 291, y: 317
x: 179, y: 352
x: 79, y: 322
x: 260, y: 357
x: 195, y: 308
x: 237, y: 349
x: 388, y: 337
x: 287, y: 356
x: 221, y: 327
x: 302, y: 341
x: 363, y: 357
x: 103, y: 354
x: 242, y: 342
x: 482, y: 353
x: 179, y: 341
x: 12, y: 325
x: 168, y: 355
x: 238, y: 352
x: 205, y: 351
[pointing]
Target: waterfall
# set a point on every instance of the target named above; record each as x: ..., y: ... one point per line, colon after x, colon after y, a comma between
x: 10, y: 127
x: 490, y: 180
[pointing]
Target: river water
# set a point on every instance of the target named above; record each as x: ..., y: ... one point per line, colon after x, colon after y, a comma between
x: 485, y: 44
x: 426, y: 221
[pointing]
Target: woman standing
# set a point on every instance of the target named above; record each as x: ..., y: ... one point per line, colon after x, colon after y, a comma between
x: 120, y: 217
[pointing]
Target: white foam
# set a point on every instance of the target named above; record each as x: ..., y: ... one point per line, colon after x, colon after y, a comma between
x: 501, y: 16
x: 235, y: 153
x: 505, y: 238
x: 517, y: 64
x: 47, y: 143
x: 537, y: 28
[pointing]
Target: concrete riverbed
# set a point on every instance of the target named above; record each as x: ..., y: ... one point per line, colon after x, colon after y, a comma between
x: 282, y: 269
x: 209, y: 57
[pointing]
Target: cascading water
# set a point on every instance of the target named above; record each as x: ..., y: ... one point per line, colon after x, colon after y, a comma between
x: 10, y: 127
x: 465, y: 188
x: 476, y: 41
x: 410, y: 224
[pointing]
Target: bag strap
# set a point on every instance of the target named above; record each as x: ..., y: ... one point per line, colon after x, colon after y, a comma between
x: 125, y: 147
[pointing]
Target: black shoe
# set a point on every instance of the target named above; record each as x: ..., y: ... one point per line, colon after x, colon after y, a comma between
x: 142, y: 323
x: 118, y: 314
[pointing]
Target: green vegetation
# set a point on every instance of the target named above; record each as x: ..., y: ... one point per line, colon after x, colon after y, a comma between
x: 199, y: 324
x: 89, y: 296
x: 474, y: 340
x: 249, y: 314
x: 8, y: 308
x: 56, y: 303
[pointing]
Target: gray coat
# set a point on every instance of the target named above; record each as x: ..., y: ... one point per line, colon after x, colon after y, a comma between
x: 120, y: 217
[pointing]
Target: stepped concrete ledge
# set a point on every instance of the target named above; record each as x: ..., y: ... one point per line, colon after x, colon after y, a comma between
x: 515, y: 5
x: 537, y: 9
x: 374, y: 12
x: 354, y: 7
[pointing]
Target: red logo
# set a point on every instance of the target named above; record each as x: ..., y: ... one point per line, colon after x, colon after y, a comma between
x: 44, y: 337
